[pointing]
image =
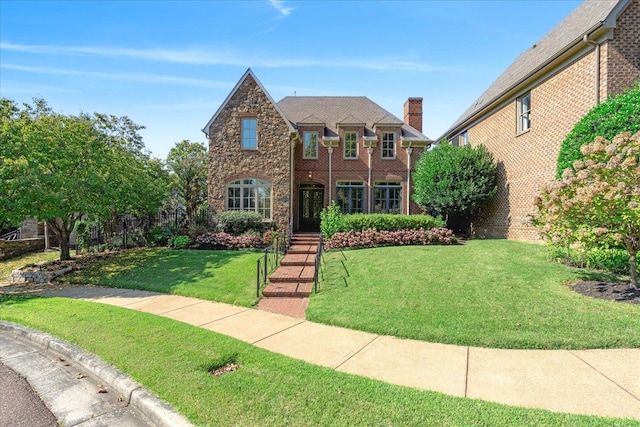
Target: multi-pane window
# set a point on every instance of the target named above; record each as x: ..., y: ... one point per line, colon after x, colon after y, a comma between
x: 252, y: 195
x: 387, y: 197
x: 249, y: 134
x: 524, y: 112
x: 351, y: 145
x: 350, y: 196
x: 310, y: 145
x: 388, y: 145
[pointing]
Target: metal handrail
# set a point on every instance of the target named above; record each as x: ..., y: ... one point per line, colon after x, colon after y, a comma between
x: 317, y: 264
x: 12, y: 235
x: 268, y: 262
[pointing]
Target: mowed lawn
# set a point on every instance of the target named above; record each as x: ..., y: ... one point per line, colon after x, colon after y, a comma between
x: 223, y: 276
x: 488, y: 293
x: 173, y: 360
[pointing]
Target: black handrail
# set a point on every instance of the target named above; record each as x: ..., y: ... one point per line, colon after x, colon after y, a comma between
x: 317, y: 264
x: 268, y: 262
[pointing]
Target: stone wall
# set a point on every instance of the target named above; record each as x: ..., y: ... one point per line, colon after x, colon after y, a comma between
x: 270, y: 161
x: 14, y: 248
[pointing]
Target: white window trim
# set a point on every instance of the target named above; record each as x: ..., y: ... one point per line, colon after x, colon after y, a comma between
x: 522, y: 114
x: 464, y: 139
x: 304, y: 149
x: 345, y: 146
x: 382, y: 146
x: 242, y: 120
x: 240, y: 184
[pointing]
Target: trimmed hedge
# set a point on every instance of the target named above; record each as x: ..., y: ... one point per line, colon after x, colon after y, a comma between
x: 372, y: 238
x: 237, y: 223
x: 384, y: 222
x: 223, y: 240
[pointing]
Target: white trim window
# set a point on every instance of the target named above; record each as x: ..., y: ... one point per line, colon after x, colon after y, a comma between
x: 249, y: 133
x: 350, y: 145
x: 524, y: 113
x: 350, y: 196
x: 387, y: 197
x: 310, y: 145
x: 388, y: 145
x: 464, y: 139
x: 251, y: 195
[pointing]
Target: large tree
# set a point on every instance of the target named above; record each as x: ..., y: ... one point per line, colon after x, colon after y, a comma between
x: 189, y: 163
x: 599, y: 203
x: 454, y: 181
x: 61, y: 168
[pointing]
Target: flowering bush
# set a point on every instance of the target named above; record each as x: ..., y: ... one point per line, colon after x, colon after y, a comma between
x: 372, y: 237
x: 599, y: 204
x: 224, y: 240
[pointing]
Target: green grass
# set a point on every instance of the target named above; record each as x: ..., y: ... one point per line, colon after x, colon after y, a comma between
x: 172, y: 360
x: 224, y: 276
x: 6, y: 267
x: 489, y: 293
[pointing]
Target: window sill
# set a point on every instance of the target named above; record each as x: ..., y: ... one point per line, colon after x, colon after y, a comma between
x: 523, y: 132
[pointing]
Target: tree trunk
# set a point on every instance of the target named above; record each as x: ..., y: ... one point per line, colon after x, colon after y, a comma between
x: 634, y: 269
x: 62, y: 231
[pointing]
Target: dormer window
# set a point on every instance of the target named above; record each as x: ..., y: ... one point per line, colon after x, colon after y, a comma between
x: 388, y: 145
x: 310, y: 145
x: 351, y: 145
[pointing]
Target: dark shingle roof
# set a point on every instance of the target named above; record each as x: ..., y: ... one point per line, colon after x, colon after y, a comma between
x: 588, y: 16
x: 333, y: 110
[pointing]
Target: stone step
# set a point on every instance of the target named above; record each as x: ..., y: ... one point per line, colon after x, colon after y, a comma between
x: 288, y: 290
x: 293, y: 274
x: 298, y: 260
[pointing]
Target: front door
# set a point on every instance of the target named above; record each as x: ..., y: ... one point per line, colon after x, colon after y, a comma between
x: 311, y: 204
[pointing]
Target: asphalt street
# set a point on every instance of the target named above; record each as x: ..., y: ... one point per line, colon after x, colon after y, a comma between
x: 20, y: 405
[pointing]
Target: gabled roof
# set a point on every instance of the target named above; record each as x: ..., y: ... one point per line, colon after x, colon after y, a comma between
x: 588, y: 17
x: 335, y: 111
x: 246, y: 75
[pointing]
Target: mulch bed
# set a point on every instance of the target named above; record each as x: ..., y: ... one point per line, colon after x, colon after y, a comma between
x: 618, y: 292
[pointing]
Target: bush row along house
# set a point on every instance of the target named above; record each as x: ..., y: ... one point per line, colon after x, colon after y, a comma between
x: 287, y: 160
x: 524, y: 116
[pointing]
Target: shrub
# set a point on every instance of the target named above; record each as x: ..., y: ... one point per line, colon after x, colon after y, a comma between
x: 454, y: 180
x: 372, y: 238
x: 158, y: 236
x: 330, y: 218
x: 179, y: 242
x: 239, y: 222
x: 612, y: 259
x: 224, y: 240
x: 618, y: 114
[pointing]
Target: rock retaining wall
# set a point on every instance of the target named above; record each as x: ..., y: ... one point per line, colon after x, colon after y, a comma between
x: 14, y: 248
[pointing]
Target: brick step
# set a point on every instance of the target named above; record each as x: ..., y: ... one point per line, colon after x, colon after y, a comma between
x: 287, y: 290
x: 298, y: 260
x: 302, y: 249
x: 293, y: 274
x: 304, y: 242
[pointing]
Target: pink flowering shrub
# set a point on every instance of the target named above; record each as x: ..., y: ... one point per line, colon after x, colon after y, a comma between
x: 223, y: 240
x: 372, y: 238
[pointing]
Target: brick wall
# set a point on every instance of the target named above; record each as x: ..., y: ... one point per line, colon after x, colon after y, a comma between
x: 14, y: 248
x: 527, y: 161
x: 229, y: 162
x: 623, y: 52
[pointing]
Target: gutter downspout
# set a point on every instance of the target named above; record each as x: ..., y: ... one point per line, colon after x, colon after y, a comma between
x: 370, y: 151
x: 409, y: 151
x: 330, y: 151
x: 291, y: 186
x: 596, y: 71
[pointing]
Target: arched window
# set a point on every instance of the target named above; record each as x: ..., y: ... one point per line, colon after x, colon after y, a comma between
x: 250, y: 194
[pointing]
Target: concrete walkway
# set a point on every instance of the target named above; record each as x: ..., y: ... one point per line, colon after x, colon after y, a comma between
x: 592, y: 382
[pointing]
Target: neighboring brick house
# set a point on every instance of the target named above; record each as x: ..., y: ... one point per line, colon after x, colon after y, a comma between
x: 524, y: 116
x: 288, y: 160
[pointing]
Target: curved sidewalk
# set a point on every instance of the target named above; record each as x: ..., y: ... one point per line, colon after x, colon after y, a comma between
x: 591, y: 382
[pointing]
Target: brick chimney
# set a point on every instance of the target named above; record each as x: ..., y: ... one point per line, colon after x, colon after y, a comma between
x: 413, y: 113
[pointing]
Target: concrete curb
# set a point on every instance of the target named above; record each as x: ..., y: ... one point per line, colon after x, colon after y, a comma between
x: 160, y: 413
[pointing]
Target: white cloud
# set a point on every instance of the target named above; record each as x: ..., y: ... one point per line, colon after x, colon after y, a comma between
x: 137, y: 77
x: 213, y: 56
x: 279, y: 4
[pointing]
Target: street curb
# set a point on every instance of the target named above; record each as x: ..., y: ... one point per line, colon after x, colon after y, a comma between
x: 160, y: 413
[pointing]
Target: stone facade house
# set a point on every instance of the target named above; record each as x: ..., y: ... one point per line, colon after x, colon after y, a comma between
x: 287, y: 160
x: 524, y: 116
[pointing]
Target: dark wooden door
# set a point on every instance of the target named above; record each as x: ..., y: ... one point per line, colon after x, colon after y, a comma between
x: 311, y: 204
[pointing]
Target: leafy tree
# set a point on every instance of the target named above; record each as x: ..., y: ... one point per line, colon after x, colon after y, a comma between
x: 617, y: 114
x: 189, y: 163
x: 62, y: 168
x: 453, y: 180
x: 599, y: 204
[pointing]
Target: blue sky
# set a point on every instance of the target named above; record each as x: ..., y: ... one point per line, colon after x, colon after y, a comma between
x: 169, y: 65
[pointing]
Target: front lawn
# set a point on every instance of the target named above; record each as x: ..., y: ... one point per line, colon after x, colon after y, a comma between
x: 488, y: 293
x: 223, y: 276
x: 7, y: 266
x: 172, y: 359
